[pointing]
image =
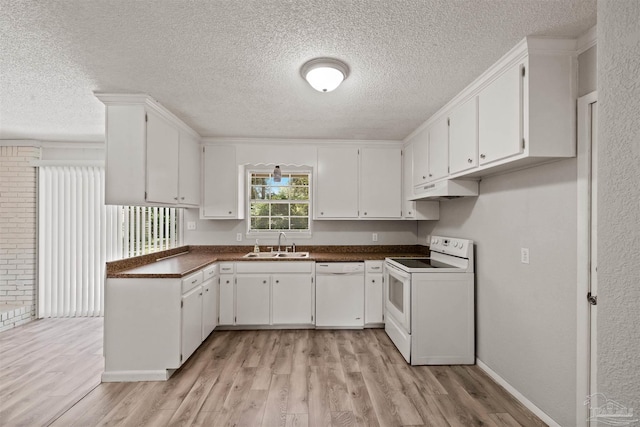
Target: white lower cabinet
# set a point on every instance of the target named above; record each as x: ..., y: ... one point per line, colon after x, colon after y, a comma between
x: 191, y: 322
x: 292, y: 299
x: 373, y: 292
x: 227, y: 294
x: 210, y: 300
x: 252, y: 299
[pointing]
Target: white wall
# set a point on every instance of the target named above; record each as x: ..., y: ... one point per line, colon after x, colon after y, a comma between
x: 619, y: 202
x: 526, y: 313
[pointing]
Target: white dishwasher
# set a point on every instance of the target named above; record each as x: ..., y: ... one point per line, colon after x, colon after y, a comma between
x: 340, y: 294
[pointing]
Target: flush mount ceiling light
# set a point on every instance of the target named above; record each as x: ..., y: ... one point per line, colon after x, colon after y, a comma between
x: 324, y: 74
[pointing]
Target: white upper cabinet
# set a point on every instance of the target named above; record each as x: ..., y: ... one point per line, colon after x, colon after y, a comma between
x: 463, y: 136
x: 381, y: 182
x: 438, y: 150
x: 500, y: 110
x: 336, y: 194
x: 222, y: 195
x: 189, y: 170
x: 358, y: 183
x: 143, y: 164
x: 163, y: 145
x: 427, y: 210
x: 420, y: 158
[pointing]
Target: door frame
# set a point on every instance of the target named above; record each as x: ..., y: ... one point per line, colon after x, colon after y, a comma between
x: 584, y: 196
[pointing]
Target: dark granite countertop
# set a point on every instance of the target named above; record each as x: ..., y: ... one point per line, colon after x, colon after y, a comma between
x: 180, y: 262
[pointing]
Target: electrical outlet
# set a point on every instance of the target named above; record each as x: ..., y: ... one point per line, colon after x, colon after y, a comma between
x: 524, y: 255
x: 191, y: 225
x: 239, y: 237
x: 374, y: 237
x: 428, y: 239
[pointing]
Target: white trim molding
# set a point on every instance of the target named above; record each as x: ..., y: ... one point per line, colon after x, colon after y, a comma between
x: 587, y: 40
x: 516, y: 394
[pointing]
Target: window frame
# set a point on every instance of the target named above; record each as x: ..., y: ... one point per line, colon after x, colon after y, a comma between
x: 250, y: 171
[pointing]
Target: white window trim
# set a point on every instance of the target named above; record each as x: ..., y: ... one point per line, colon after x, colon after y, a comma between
x: 302, y: 234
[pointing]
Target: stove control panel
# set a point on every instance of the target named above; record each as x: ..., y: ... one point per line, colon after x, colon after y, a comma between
x: 451, y: 246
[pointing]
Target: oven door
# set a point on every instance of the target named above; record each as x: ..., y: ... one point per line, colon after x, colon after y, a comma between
x: 398, y: 296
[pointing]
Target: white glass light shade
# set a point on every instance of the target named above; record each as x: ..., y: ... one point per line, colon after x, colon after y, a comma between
x: 324, y: 74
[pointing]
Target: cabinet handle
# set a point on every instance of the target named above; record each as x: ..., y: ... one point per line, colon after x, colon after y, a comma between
x: 469, y: 160
x: 194, y: 281
x: 482, y: 156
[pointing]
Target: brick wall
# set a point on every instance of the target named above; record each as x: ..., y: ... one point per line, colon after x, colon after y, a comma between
x: 18, y: 185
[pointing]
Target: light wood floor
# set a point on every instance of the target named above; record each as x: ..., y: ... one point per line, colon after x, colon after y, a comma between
x: 49, y: 374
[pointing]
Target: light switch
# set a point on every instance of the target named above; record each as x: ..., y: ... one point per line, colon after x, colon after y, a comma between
x: 524, y: 255
x: 374, y: 237
x: 239, y: 237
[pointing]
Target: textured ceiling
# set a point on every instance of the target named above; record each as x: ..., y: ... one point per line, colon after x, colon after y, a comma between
x: 231, y: 68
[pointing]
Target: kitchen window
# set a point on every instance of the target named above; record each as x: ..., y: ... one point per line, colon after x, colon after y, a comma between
x: 279, y: 206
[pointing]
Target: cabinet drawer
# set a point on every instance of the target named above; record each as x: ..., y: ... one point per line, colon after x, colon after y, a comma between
x: 226, y: 268
x: 191, y: 281
x: 373, y: 266
x: 210, y: 271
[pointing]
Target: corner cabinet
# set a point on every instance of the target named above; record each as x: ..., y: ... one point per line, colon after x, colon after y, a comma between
x: 222, y: 182
x: 414, y: 210
x: 152, y: 157
x: 358, y: 183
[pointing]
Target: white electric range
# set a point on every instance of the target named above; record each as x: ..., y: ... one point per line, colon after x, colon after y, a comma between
x: 430, y: 304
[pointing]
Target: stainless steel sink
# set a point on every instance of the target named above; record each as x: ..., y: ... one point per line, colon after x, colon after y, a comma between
x: 267, y: 255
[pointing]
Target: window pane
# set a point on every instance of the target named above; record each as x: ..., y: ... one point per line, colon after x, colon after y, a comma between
x: 259, y: 209
x: 280, y: 209
x: 259, y: 178
x: 259, y: 223
x: 299, y: 223
x: 299, y: 179
x: 299, y: 193
x: 258, y: 193
x: 279, y: 193
x: 280, y: 223
x: 299, y: 209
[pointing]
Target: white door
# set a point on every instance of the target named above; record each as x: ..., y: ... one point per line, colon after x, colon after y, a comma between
x: 420, y: 159
x: 191, y: 322
x: 337, y: 183
x: 500, y: 116
x: 189, y: 170
x: 252, y: 299
x: 220, y: 182
x: 162, y: 160
x: 587, y: 160
x: 209, y: 306
x: 380, y: 182
x: 439, y: 150
x: 292, y: 296
x: 463, y: 137
x: 227, y: 300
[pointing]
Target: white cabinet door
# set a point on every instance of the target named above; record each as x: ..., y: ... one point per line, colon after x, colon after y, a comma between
x: 220, y: 183
x: 227, y: 299
x: 189, y: 170
x: 420, y: 158
x: 463, y: 137
x: 252, y: 299
x: 191, y: 322
x: 162, y: 160
x: 292, y: 299
x: 439, y: 149
x: 499, y: 117
x: 381, y: 182
x: 337, y: 183
x: 209, y: 306
x: 340, y: 300
x: 373, y: 292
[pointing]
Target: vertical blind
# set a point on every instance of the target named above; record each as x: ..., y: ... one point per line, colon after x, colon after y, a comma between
x: 78, y: 233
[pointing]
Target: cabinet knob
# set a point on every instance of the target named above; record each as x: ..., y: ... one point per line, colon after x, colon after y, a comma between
x: 200, y: 294
x: 430, y: 175
x: 277, y: 281
x: 482, y: 156
x: 469, y: 160
x: 175, y: 198
x: 373, y: 281
x: 207, y: 290
x: 424, y: 177
x: 181, y: 198
x: 409, y: 212
x: 365, y: 213
x: 230, y: 212
x: 264, y: 281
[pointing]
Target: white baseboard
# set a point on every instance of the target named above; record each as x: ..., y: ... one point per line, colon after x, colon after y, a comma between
x: 134, y: 376
x: 515, y: 393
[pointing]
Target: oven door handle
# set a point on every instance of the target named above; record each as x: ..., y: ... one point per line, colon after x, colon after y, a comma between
x: 397, y: 272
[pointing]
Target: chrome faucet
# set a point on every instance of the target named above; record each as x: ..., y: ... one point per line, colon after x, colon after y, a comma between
x: 279, y: 237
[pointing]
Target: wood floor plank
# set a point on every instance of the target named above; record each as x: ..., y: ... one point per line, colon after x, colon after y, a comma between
x: 297, y: 420
x: 298, y: 401
x: 504, y: 420
x: 363, y: 410
x: 342, y: 419
x: 275, y: 413
x: 319, y: 412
